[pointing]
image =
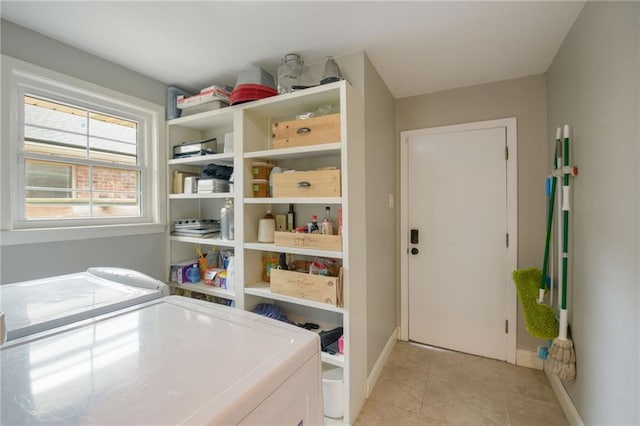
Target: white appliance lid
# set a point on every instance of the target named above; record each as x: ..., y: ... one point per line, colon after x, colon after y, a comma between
x: 37, y: 305
x: 170, y: 361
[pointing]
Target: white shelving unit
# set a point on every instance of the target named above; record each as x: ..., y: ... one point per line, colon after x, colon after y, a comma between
x: 251, y: 126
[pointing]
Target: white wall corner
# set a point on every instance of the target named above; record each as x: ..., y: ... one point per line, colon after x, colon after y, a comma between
x: 570, y: 411
x: 381, y: 361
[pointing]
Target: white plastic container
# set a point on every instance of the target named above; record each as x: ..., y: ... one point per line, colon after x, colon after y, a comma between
x: 333, y: 391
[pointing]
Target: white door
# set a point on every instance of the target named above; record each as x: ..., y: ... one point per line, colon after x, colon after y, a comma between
x: 458, y: 270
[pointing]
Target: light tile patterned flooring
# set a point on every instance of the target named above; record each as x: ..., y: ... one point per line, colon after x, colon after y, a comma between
x: 427, y: 386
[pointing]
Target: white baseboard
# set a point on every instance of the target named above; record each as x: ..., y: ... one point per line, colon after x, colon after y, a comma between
x: 381, y: 361
x: 529, y: 359
x: 565, y: 400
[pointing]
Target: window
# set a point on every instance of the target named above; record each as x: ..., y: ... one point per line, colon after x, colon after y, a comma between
x: 80, y: 155
x: 91, y: 167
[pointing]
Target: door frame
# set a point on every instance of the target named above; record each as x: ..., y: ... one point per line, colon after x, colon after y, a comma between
x: 510, y: 125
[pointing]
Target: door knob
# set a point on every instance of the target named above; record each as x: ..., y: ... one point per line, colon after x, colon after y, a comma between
x: 414, y: 251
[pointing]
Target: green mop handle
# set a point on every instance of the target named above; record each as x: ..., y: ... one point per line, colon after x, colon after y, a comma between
x: 566, y: 207
x: 552, y: 197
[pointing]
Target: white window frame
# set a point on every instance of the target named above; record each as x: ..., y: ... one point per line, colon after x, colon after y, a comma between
x: 20, y: 78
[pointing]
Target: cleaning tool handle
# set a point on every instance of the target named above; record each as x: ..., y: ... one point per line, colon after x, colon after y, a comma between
x: 558, y: 148
x: 565, y: 217
x: 566, y: 192
x: 541, y: 294
x: 564, y: 324
x: 543, y: 278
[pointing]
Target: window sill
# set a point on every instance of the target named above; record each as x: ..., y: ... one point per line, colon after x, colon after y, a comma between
x: 35, y: 236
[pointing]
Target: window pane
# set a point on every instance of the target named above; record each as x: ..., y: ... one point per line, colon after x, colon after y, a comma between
x: 112, y: 151
x: 54, y: 142
x: 43, y: 113
x: 67, y: 190
x: 67, y: 131
x: 113, y: 128
x: 117, y: 205
x: 116, y: 192
x: 42, y: 175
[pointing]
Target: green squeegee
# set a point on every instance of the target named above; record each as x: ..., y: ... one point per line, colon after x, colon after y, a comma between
x: 540, y: 319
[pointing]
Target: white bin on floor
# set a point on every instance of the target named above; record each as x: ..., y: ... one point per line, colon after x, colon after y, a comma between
x: 333, y: 391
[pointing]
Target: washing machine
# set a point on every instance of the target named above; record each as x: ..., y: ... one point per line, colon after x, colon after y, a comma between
x: 172, y: 360
x: 33, y: 306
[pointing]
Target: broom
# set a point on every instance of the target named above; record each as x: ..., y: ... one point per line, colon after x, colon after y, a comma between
x: 544, y: 278
x: 562, y: 356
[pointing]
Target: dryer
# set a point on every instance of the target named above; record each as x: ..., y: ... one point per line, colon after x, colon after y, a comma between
x: 172, y: 360
x: 33, y: 306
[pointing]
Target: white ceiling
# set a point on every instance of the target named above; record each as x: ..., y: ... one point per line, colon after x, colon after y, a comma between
x: 417, y: 47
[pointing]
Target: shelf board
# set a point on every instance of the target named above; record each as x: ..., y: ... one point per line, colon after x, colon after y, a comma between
x: 201, y: 195
x: 337, y: 359
x: 290, y: 104
x: 221, y: 117
x: 263, y: 290
x: 299, y: 200
x: 207, y: 241
x: 297, y: 152
x: 203, y: 160
x: 206, y: 289
x: 293, y: 250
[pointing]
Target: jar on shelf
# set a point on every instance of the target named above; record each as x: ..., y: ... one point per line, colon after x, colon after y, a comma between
x: 291, y: 73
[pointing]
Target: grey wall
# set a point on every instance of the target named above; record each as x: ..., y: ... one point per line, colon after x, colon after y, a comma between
x: 382, y: 251
x: 146, y: 253
x: 46, y: 52
x: 592, y: 85
x: 523, y: 98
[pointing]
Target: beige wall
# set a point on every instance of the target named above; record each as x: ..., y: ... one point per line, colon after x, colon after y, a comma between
x: 593, y: 85
x: 523, y: 98
x: 382, y: 226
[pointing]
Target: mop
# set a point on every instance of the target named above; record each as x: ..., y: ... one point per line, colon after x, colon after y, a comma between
x: 562, y: 357
x: 531, y: 284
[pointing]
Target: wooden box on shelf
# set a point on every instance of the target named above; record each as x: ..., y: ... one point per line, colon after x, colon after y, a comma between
x: 310, y: 241
x: 310, y: 131
x: 314, y: 183
x: 306, y: 286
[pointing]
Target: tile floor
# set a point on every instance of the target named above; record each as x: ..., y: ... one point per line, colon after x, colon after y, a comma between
x: 427, y: 386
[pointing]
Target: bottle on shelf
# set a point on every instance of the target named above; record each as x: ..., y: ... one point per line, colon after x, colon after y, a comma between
x: 227, y: 224
x: 291, y: 215
x: 327, y: 223
x: 312, y: 227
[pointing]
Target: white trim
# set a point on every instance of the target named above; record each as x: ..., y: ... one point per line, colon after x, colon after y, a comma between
x: 573, y: 417
x: 510, y: 125
x: 526, y: 358
x: 35, y: 236
x: 381, y: 361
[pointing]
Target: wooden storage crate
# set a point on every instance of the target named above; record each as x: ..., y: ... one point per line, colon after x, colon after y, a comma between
x: 310, y: 241
x: 310, y: 131
x: 306, y: 286
x: 315, y: 183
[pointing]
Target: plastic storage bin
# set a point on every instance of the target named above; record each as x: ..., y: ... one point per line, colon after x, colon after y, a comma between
x: 333, y: 391
x: 260, y: 188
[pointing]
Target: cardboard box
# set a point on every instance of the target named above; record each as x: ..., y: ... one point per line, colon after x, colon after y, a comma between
x: 315, y: 183
x: 317, y: 288
x: 311, y: 131
x: 310, y: 241
x: 178, y: 272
